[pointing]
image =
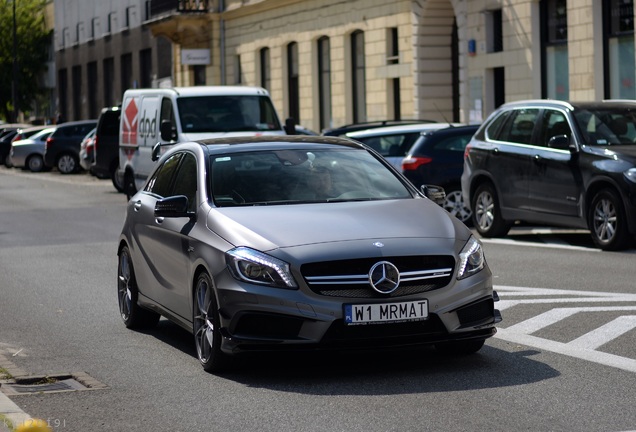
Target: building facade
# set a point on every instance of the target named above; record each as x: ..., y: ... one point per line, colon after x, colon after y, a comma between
x: 332, y: 62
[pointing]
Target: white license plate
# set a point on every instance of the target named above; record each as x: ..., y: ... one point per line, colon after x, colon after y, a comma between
x: 386, y: 312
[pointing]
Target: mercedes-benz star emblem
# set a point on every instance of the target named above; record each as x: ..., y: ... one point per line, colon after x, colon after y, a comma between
x: 384, y: 277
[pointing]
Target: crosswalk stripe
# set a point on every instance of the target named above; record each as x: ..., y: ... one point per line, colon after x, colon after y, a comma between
x: 605, y: 333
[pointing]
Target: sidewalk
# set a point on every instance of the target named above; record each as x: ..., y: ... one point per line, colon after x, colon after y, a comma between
x: 11, y: 412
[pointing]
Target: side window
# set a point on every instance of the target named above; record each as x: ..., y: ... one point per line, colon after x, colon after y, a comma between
x: 186, y: 181
x: 453, y: 143
x: 492, y: 131
x: 554, y: 123
x: 519, y: 127
x: 161, y: 181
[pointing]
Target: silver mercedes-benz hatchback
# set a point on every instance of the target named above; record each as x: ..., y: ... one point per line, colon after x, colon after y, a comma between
x: 298, y: 242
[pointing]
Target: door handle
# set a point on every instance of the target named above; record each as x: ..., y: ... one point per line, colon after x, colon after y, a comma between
x: 536, y: 158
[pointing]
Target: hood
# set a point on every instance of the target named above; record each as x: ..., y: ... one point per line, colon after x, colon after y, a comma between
x: 626, y: 152
x: 208, y: 135
x: 270, y: 227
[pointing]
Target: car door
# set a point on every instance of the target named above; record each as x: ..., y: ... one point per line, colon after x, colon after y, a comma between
x: 163, y: 242
x: 509, y: 157
x: 555, y: 185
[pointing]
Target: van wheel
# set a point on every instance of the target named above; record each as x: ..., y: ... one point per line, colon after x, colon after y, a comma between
x: 608, y: 224
x: 129, y: 185
x: 119, y: 185
x: 487, y: 214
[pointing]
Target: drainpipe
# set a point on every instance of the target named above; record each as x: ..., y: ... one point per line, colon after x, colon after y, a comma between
x: 222, y: 40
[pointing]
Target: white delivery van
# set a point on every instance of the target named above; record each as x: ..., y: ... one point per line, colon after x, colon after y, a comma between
x: 174, y: 115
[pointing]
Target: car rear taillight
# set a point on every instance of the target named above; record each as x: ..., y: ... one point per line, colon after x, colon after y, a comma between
x: 18, y: 137
x: 466, y: 150
x: 412, y: 163
x: 49, y: 141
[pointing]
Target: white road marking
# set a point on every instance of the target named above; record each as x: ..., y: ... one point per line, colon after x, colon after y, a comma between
x: 584, y: 347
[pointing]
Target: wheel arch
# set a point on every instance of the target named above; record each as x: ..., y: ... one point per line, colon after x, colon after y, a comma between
x: 607, y: 183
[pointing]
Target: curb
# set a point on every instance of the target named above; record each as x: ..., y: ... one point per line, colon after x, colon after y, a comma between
x: 11, y: 415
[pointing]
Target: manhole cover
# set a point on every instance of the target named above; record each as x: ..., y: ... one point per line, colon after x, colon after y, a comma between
x: 51, y: 384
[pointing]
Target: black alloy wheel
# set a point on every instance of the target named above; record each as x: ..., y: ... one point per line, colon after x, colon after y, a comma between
x: 206, y: 326
x: 67, y: 164
x: 133, y: 315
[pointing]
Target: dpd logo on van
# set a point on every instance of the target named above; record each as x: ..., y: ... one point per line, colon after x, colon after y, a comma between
x: 129, y: 127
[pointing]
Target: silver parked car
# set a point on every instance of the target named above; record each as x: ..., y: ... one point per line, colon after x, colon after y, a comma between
x: 299, y: 242
x: 29, y: 153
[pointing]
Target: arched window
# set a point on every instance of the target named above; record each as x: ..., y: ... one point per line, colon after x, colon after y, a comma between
x: 358, y: 81
x: 324, y: 82
x: 293, y: 91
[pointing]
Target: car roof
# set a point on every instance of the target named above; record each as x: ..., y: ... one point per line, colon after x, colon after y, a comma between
x: 276, y: 142
x: 420, y: 127
x: 571, y: 105
x: 354, y: 127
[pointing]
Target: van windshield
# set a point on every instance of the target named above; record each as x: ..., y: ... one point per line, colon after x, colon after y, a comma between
x: 236, y: 113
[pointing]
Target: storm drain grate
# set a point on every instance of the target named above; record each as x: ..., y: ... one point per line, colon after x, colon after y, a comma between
x: 50, y: 384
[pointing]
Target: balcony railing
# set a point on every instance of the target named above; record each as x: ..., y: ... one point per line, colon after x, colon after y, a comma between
x: 161, y: 7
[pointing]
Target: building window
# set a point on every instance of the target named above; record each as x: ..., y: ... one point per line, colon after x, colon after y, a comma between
x: 109, y: 76
x: 91, y: 72
x: 265, y: 71
x: 126, y: 72
x: 237, y: 70
x: 393, y: 57
x: 199, y: 75
x: 145, y: 68
x: 62, y: 84
x: 494, y: 31
x: 293, y: 92
x: 554, y: 41
x: 619, y: 64
x: 324, y: 82
x: 77, y: 92
x: 111, y: 23
x: 358, y: 77
x: 94, y: 24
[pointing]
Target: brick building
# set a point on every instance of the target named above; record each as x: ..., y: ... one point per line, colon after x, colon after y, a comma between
x: 331, y: 62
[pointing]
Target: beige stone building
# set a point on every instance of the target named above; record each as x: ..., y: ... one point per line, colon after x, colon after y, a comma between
x: 332, y: 62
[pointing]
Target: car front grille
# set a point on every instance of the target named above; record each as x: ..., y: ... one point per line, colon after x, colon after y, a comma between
x: 350, y: 278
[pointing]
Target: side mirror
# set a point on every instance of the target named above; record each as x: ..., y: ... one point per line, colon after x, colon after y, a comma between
x: 156, y: 152
x: 290, y: 126
x: 434, y: 193
x: 561, y: 142
x: 174, y: 206
x: 167, y: 131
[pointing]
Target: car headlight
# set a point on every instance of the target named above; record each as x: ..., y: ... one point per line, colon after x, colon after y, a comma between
x: 256, y: 267
x: 631, y: 175
x: 471, y: 259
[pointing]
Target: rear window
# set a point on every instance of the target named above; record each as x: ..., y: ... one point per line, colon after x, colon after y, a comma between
x: 109, y: 123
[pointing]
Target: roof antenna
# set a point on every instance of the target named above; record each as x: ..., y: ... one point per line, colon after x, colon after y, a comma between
x: 439, y: 111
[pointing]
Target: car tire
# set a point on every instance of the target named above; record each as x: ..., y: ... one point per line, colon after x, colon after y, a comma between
x: 7, y: 161
x: 67, y: 164
x: 133, y: 315
x: 464, y: 347
x: 455, y: 205
x: 35, y: 163
x: 119, y: 185
x: 206, y: 326
x: 487, y: 218
x: 607, y: 221
x: 130, y: 188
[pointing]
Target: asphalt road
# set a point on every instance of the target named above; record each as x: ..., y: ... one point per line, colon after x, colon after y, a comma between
x: 563, y: 360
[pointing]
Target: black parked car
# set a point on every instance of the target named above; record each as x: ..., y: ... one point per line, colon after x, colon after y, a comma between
x: 106, y: 146
x: 437, y: 157
x: 63, y: 147
x: 343, y: 130
x: 556, y: 163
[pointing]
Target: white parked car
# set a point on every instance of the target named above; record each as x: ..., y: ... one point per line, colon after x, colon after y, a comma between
x: 29, y: 153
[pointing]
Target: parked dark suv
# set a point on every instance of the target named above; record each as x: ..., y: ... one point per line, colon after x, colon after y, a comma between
x: 437, y: 157
x: 106, y: 146
x: 63, y: 146
x: 557, y: 163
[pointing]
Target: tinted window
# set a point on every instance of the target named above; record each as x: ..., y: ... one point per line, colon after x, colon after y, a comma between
x: 492, y: 131
x: 554, y: 123
x: 162, y: 179
x: 186, y: 181
x: 391, y: 145
x: 519, y: 126
x: 109, y: 123
x: 606, y: 126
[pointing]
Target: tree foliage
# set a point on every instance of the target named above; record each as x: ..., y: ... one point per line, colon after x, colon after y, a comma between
x: 33, y: 45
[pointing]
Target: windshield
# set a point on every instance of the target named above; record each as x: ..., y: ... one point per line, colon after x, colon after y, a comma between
x: 300, y: 176
x: 607, y: 126
x: 237, y: 113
